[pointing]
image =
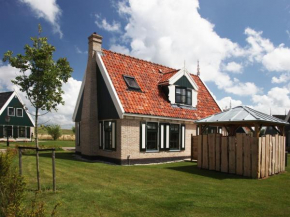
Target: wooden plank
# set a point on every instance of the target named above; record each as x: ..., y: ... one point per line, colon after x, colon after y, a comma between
x: 218, y: 152
x: 274, y: 155
x: 259, y: 156
x: 284, y: 150
x: 224, y: 155
x: 239, y: 162
x: 270, y: 155
x: 199, y: 151
x: 263, y: 160
x: 247, y: 156
x: 277, y: 154
x: 281, y: 153
x: 211, y: 151
x: 232, y: 155
x: 204, y: 152
x: 195, y: 148
x: 255, y: 157
x: 267, y: 156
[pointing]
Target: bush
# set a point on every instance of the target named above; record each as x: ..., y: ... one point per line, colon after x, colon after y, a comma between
x: 54, y: 131
x: 73, y: 129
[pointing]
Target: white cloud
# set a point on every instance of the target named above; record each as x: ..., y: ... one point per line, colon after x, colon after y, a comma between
x: 282, y: 79
x: 103, y: 24
x: 79, y: 51
x: 276, y: 100
x: 48, y: 10
x: 243, y: 89
x: 63, y: 116
x: 278, y: 59
x: 233, y: 67
x: 228, y: 102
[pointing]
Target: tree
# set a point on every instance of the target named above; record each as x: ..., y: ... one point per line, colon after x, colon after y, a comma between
x: 73, y: 129
x: 40, y: 78
x: 54, y: 131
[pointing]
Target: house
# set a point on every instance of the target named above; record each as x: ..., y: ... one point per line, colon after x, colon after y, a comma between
x: 14, y: 118
x: 133, y: 111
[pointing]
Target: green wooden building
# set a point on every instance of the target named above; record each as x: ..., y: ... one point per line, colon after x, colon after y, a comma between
x: 15, y: 121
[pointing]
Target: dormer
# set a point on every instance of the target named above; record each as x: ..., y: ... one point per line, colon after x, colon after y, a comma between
x: 182, y: 90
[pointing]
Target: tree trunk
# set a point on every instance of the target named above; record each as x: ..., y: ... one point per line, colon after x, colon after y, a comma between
x: 37, y: 153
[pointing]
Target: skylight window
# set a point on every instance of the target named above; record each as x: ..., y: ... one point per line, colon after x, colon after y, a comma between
x: 131, y: 82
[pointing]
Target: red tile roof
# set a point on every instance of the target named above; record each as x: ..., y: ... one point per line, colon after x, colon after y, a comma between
x: 152, y: 99
x: 166, y: 76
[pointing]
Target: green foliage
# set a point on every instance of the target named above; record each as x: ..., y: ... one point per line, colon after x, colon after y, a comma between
x: 41, y: 77
x: 73, y: 129
x: 12, y: 186
x: 54, y: 131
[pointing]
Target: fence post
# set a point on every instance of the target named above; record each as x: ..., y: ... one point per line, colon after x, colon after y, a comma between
x: 20, y: 161
x: 53, y: 170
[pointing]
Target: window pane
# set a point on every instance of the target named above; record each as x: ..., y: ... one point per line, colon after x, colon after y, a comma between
x: 21, y: 131
x: 152, y: 132
x: 108, y: 134
x: 11, y: 111
x: 183, y: 99
x: 19, y: 112
x: 131, y: 82
x: 174, y: 137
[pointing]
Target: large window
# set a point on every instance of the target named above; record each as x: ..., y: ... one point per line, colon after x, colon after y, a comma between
x: 174, y: 137
x: 107, y: 134
x: 183, y: 95
x: 131, y: 82
x: 162, y: 136
x: 21, y: 132
x: 152, y: 133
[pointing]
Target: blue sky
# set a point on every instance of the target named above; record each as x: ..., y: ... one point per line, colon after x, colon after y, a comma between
x: 243, y: 46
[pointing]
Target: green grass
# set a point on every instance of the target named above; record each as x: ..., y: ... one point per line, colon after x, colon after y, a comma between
x: 175, y: 189
x: 42, y: 143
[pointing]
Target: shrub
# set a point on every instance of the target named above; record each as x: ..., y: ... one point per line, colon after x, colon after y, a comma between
x: 12, y: 186
x: 73, y: 129
x: 54, y: 131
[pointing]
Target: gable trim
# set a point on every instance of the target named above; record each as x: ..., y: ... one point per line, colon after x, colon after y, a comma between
x: 110, y: 86
x: 181, y: 73
x: 10, y: 99
x: 79, y: 98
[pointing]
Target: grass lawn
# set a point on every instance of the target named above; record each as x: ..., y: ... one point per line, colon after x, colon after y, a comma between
x: 175, y: 189
x: 42, y: 143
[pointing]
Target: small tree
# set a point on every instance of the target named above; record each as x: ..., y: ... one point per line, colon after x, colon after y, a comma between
x: 43, y: 85
x: 73, y: 129
x: 54, y: 131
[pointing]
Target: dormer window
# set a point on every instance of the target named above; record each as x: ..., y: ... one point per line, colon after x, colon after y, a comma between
x: 131, y: 82
x: 183, y: 95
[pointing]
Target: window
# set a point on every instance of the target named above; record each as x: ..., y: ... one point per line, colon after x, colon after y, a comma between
x: 131, y: 82
x: 107, y: 134
x: 152, y: 132
x: 11, y: 111
x: 162, y: 136
x: 19, y: 112
x: 21, y: 132
x: 174, y: 137
x: 183, y: 95
x: 8, y: 129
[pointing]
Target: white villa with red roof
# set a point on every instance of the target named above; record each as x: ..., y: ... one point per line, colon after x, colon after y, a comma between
x: 134, y: 111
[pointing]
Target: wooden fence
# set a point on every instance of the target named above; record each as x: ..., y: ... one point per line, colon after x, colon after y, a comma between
x: 241, y: 154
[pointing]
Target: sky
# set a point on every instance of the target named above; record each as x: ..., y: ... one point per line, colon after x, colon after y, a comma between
x: 243, y: 47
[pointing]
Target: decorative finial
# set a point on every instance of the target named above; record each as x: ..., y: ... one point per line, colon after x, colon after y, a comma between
x: 198, y: 69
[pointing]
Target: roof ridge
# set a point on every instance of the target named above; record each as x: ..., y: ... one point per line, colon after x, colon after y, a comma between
x: 147, y: 61
x: 171, y: 71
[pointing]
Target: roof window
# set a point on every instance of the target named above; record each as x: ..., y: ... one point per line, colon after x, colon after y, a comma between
x: 131, y: 82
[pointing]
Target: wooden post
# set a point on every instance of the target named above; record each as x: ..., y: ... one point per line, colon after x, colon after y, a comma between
x: 53, y: 170
x: 20, y: 161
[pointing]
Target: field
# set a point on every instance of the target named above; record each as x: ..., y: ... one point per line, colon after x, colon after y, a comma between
x: 173, y: 189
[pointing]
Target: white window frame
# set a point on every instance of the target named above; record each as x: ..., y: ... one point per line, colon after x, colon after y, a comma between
x: 13, y: 112
x: 17, y: 112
